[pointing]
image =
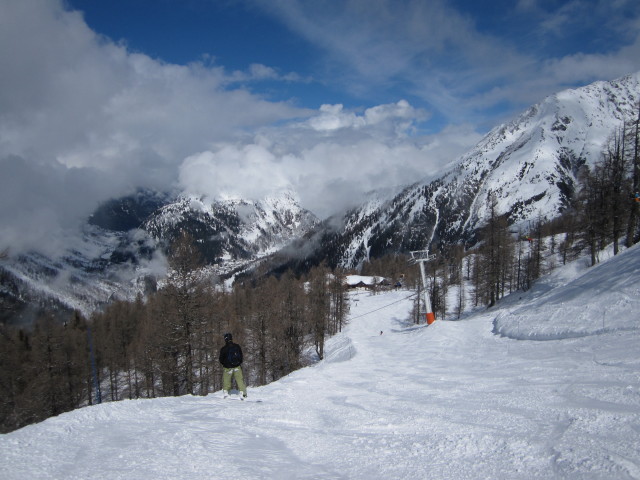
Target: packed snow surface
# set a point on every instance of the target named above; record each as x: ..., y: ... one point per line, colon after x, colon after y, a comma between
x: 546, y: 385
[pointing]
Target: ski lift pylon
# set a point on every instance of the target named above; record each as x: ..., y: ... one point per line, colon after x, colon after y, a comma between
x: 420, y: 257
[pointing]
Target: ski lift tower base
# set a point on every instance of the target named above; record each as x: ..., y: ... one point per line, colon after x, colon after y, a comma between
x: 420, y: 257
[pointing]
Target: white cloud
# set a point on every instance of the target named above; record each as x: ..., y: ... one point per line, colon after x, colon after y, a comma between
x: 437, y: 52
x: 67, y: 93
x: 42, y: 205
x: 331, y: 160
x: 334, y: 117
x: 258, y: 72
x: 248, y: 171
x: 82, y: 119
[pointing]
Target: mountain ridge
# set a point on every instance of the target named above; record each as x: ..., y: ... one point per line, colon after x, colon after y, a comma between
x: 121, y: 252
x: 530, y: 165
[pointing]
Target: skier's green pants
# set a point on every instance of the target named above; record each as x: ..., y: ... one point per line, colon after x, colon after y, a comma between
x: 236, y: 373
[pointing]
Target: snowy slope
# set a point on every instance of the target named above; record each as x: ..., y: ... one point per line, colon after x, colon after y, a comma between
x: 596, y: 300
x: 529, y: 165
x: 450, y: 401
x: 531, y: 162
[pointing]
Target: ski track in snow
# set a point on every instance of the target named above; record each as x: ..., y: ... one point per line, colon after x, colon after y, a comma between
x: 450, y: 401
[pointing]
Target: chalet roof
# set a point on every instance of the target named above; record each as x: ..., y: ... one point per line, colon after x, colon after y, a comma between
x: 353, y: 280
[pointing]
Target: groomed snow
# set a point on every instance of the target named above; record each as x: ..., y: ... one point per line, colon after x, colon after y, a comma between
x: 450, y: 401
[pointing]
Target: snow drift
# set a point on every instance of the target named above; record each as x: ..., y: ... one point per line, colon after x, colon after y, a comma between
x: 598, y: 300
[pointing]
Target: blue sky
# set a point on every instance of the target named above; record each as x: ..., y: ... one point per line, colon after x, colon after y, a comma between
x: 222, y: 98
x: 459, y: 59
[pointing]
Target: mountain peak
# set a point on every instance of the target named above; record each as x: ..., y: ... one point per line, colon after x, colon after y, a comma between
x: 529, y: 165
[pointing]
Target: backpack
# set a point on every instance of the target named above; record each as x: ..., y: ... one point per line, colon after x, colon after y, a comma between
x: 234, y: 355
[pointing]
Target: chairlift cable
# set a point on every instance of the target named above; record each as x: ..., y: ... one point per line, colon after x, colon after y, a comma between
x: 384, y: 306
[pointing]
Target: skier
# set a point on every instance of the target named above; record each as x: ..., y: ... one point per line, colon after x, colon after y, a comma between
x: 231, y: 360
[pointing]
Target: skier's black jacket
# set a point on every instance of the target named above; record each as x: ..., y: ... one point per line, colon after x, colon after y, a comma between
x: 225, y: 357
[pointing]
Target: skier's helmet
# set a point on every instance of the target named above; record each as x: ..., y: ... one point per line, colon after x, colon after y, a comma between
x: 227, y: 337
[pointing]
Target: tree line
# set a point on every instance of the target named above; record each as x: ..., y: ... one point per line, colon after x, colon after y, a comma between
x: 168, y: 343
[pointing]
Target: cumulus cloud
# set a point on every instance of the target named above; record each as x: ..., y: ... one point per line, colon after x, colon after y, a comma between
x: 82, y: 119
x: 367, y: 163
x: 334, y: 117
x: 331, y: 159
x: 248, y: 171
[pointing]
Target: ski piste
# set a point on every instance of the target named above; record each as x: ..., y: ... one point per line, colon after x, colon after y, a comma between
x: 237, y: 397
x: 479, y: 397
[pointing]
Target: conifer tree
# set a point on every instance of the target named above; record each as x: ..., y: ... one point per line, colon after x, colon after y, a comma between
x: 338, y: 301
x: 633, y: 139
x: 14, y: 378
x: 495, y: 255
x: 183, y: 299
x: 318, y: 307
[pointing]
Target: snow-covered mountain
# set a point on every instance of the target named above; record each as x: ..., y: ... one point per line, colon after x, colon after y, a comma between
x: 97, y: 267
x: 482, y: 397
x: 233, y: 229
x: 530, y: 165
x: 121, y: 251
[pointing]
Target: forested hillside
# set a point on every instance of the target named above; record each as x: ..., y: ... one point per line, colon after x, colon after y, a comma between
x: 167, y: 344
